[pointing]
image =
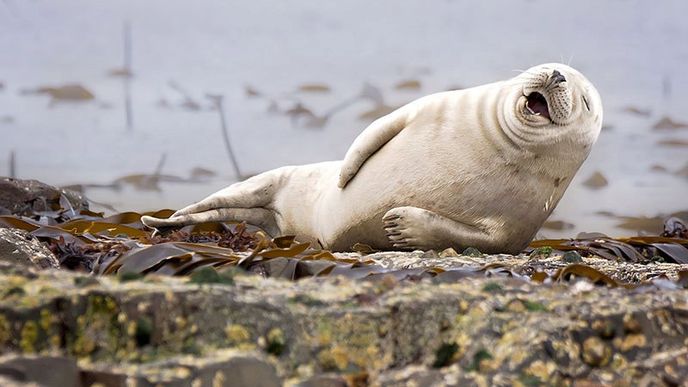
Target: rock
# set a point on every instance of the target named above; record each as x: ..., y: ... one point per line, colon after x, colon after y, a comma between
x: 322, y: 380
x: 412, y: 376
x: 225, y: 368
x: 472, y: 252
x: 675, y: 228
x: 596, y: 181
x: 541, y: 253
x: 24, y: 197
x: 572, y: 257
x: 541, y: 260
x: 558, y: 225
x: 595, y: 352
x: 40, y: 370
x: 7, y: 382
x: 222, y: 368
x: 169, y: 331
x: 19, y: 247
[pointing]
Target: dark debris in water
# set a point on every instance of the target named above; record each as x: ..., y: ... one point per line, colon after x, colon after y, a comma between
x: 668, y: 123
x: 596, y: 181
x: 67, y: 92
x: 652, y: 225
x: 640, y: 249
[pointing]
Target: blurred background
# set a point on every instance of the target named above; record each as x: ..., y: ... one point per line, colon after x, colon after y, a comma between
x: 123, y: 98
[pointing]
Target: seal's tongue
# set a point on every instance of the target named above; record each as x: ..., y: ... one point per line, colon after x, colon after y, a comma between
x: 538, y: 104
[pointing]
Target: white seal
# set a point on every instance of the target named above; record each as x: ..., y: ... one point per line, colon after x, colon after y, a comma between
x: 481, y: 167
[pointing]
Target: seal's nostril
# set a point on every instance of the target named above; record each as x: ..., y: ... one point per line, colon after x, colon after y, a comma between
x: 557, y: 77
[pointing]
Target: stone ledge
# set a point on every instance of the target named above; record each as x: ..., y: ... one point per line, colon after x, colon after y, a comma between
x: 222, y: 368
x: 19, y: 247
x: 477, y: 328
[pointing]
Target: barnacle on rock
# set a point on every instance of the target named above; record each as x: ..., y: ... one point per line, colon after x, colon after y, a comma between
x: 237, y: 334
x: 275, y: 342
x: 28, y: 337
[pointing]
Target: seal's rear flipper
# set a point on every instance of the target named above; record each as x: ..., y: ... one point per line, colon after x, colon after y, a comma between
x: 259, y: 217
x: 152, y: 222
x: 240, y: 202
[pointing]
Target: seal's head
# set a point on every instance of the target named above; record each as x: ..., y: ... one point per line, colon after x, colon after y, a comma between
x: 553, y: 103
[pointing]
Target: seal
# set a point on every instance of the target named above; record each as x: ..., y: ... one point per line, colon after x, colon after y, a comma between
x: 481, y: 167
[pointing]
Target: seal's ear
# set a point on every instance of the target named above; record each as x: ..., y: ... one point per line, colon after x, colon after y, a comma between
x: 374, y: 137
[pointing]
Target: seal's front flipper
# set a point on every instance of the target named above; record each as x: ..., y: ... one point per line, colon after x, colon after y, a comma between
x: 374, y: 137
x: 412, y: 228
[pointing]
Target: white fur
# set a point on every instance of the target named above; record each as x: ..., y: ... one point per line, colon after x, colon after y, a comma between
x: 452, y: 169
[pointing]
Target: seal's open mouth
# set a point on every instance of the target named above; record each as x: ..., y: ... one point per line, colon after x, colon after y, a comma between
x: 537, y: 104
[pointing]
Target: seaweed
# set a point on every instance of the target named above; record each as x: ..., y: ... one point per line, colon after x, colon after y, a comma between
x: 211, y: 253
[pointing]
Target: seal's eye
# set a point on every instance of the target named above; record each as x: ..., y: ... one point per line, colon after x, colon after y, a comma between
x: 585, y: 101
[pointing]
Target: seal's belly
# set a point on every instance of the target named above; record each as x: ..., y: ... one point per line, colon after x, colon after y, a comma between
x: 450, y: 177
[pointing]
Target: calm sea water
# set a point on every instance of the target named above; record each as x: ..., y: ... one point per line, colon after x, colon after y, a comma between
x: 633, y: 51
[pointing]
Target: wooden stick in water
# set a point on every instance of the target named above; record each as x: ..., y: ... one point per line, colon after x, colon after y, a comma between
x: 218, y: 102
x: 127, y: 76
x: 13, y: 165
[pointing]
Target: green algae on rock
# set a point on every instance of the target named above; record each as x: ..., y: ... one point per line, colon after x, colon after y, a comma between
x: 554, y: 336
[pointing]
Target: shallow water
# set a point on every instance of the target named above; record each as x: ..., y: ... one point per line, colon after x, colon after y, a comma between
x: 633, y: 51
